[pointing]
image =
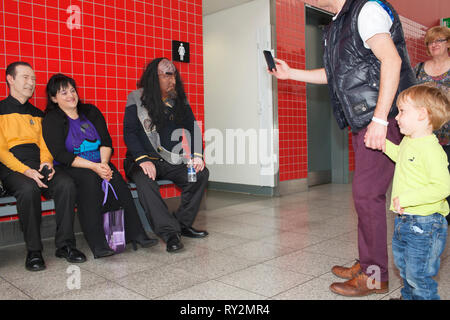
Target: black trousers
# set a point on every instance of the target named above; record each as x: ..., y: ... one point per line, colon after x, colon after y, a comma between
x: 62, y: 189
x: 89, y: 204
x: 162, y: 222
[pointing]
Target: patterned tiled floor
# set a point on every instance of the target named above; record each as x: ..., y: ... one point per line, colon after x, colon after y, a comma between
x: 258, y: 248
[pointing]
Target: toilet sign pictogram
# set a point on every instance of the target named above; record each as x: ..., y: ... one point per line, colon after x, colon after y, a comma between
x: 180, y: 51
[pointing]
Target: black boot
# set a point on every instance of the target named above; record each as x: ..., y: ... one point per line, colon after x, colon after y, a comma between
x: 144, y: 241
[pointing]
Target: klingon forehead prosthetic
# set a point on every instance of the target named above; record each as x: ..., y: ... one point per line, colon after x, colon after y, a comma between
x: 166, y: 67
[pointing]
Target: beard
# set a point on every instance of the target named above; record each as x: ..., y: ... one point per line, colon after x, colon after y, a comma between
x: 172, y: 94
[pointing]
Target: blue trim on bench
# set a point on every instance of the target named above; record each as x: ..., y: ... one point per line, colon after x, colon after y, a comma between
x: 10, y: 209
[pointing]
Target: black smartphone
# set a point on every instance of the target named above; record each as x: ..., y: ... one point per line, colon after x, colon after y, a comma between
x: 269, y: 60
x: 45, y: 172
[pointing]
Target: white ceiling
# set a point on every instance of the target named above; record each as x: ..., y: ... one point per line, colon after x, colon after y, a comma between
x: 211, y: 6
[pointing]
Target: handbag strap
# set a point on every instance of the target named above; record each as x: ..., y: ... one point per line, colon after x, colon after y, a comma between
x: 105, y: 186
x: 419, y: 68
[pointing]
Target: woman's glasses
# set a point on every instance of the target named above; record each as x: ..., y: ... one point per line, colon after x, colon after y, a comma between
x: 437, y: 41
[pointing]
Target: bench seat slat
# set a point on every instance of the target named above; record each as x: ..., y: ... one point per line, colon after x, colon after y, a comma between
x: 9, y: 208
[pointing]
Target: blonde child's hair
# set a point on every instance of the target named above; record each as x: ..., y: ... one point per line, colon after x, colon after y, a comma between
x: 433, y: 99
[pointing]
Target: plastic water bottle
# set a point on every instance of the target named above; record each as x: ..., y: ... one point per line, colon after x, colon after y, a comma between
x: 191, y: 175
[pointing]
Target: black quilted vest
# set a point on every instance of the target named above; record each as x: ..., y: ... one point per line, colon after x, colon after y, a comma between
x: 353, y: 72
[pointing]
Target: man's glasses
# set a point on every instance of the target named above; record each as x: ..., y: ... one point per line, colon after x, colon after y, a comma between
x: 437, y: 41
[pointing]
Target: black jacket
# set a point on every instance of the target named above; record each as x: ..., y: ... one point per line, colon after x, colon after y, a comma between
x: 353, y: 71
x: 140, y: 149
x: 55, y: 128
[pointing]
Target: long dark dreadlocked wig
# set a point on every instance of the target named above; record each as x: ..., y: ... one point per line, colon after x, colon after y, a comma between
x: 152, y: 100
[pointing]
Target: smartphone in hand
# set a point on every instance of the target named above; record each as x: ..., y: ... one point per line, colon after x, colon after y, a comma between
x: 45, y: 172
x: 269, y: 60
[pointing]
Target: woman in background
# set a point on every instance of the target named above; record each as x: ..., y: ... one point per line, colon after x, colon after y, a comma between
x: 437, y: 71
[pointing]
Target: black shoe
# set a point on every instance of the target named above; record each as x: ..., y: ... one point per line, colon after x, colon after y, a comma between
x: 34, y: 261
x: 103, y: 253
x: 192, y: 233
x: 70, y: 254
x: 144, y: 241
x: 174, y: 243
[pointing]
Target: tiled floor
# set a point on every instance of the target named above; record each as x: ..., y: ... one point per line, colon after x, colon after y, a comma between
x: 258, y: 248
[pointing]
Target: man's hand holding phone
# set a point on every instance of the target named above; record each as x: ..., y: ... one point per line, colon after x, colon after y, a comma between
x: 46, y: 169
x: 269, y: 60
x: 42, y: 176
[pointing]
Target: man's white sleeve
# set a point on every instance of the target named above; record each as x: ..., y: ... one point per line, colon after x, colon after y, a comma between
x: 373, y: 19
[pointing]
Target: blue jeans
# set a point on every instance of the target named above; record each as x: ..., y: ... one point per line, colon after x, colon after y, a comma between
x: 417, y: 244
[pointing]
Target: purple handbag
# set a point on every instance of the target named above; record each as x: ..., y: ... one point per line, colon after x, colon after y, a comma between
x: 113, y: 223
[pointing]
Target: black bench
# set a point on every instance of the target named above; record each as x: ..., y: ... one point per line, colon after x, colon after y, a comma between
x: 8, y: 203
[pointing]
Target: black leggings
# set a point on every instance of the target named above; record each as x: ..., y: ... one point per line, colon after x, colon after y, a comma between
x: 89, y: 203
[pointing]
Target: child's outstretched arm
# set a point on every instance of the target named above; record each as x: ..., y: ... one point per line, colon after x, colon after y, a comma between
x: 391, y: 150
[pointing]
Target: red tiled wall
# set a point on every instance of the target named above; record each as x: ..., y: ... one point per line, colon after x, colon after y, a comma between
x: 290, y: 29
x: 290, y: 20
x: 427, y: 13
x: 107, y: 55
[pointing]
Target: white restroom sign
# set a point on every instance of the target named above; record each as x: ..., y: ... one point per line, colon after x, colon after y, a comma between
x: 180, y: 51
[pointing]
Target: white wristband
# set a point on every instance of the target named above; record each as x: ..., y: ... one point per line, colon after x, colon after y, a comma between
x: 380, y: 121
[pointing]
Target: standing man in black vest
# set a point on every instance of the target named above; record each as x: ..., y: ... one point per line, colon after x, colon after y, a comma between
x: 366, y: 66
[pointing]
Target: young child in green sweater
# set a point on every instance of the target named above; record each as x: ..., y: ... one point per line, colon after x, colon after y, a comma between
x: 419, y: 190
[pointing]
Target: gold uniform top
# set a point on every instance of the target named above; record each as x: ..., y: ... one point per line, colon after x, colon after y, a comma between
x: 21, y: 135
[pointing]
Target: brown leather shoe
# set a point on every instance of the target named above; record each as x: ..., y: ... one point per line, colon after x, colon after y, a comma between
x: 357, y: 287
x: 346, y: 273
